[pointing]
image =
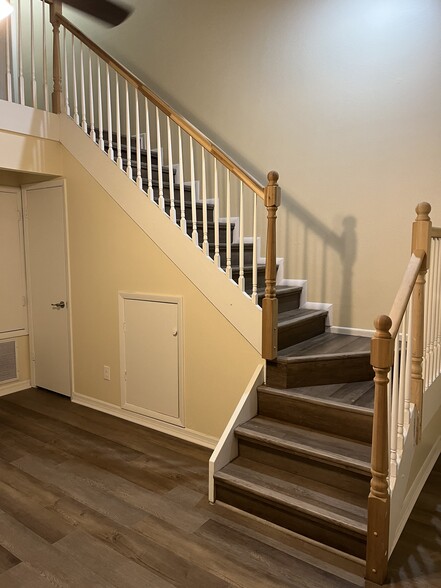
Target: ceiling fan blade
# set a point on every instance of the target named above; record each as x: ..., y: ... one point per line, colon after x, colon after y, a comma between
x: 105, y: 10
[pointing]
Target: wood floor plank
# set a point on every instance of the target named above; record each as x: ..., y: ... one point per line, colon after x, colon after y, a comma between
x: 81, y: 489
x: 46, y: 559
x: 107, y: 563
x: 7, y: 560
x: 23, y: 576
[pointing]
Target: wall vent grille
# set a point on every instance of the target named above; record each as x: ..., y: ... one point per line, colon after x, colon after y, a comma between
x: 8, y: 361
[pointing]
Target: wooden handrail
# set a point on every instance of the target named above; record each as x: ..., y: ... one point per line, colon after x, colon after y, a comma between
x: 197, y: 135
x: 405, y: 292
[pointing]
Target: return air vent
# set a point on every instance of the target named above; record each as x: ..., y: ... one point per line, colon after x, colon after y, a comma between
x: 8, y: 361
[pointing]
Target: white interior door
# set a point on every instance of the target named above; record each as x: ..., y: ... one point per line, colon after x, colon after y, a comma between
x: 47, y: 272
x: 151, y: 379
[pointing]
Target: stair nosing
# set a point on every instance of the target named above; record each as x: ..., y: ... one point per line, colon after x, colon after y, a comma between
x: 325, y: 402
x: 290, y: 503
x: 297, y: 448
x: 324, y: 356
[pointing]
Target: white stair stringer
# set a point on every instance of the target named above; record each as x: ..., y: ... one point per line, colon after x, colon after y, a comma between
x: 223, y: 293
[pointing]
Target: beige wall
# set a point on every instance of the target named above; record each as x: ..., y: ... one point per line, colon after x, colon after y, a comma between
x: 109, y: 253
x: 343, y: 98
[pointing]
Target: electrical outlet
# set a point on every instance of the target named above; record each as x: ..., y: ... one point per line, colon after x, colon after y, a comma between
x: 106, y: 372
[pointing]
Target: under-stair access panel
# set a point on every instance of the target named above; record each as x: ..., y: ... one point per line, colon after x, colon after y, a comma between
x: 151, y: 362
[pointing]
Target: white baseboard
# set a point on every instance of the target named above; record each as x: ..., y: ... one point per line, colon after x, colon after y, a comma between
x: 145, y: 421
x: 15, y: 387
x: 415, y: 490
x: 350, y: 331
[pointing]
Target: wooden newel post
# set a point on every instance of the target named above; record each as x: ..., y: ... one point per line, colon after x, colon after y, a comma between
x: 55, y: 12
x: 420, y: 242
x: 379, y: 500
x: 272, y: 200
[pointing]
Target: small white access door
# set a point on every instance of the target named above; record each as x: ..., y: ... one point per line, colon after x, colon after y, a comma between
x: 45, y: 225
x: 151, y: 366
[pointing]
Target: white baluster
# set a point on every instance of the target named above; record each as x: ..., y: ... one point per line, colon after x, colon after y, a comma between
x: 138, y: 143
x: 150, y: 192
x: 21, y: 82
x: 194, y: 234
x: 34, y: 81
x: 408, y: 383
x: 91, y: 107
x: 65, y: 76
x: 44, y: 57
x: 170, y: 173
x: 159, y: 148
x: 241, y: 280
x: 401, y: 384
x: 436, y: 244
x: 119, y: 160
x: 83, y: 89
x: 205, y: 244
x: 394, y: 381
x: 74, y: 84
x: 217, y: 257
x: 128, y: 137
x: 8, y: 60
x: 229, y: 271
x: 254, y: 295
x: 110, y: 152
x: 100, y: 106
x: 183, y: 222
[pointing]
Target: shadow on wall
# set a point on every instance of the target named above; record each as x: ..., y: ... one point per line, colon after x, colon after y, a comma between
x: 323, y: 257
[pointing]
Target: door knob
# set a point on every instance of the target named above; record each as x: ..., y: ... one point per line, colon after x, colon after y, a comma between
x: 61, y: 304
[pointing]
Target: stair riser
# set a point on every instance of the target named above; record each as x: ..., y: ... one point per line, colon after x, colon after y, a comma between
x: 293, y: 334
x: 248, y: 275
x: 188, y: 211
x: 248, y: 255
x: 222, y: 234
x: 320, y: 372
x: 286, y: 302
x: 308, y: 467
x: 322, y: 417
x: 316, y: 529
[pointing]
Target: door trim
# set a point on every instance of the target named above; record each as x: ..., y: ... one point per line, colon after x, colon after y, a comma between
x: 57, y: 183
x: 122, y: 296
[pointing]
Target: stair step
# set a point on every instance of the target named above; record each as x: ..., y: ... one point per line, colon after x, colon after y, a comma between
x: 332, y: 516
x: 315, y: 445
x: 299, y: 324
x: 288, y: 297
x: 324, y: 359
x: 301, y: 406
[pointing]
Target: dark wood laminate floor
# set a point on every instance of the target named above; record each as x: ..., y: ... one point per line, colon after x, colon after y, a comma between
x: 88, y: 500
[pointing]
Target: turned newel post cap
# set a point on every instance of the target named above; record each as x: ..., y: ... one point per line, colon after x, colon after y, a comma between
x: 272, y: 190
x: 383, y: 324
x: 272, y: 177
x: 423, y: 210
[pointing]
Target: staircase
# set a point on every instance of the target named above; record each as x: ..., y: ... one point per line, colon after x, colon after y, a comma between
x: 304, y: 460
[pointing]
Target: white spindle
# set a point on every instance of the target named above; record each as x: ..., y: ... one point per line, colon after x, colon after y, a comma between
x: 109, y: 116
x: 150, y: 192
x: 8, y: 60
x: 194, y: 220
x: 217, y: 257
x: 91, y: 107
x: 170, y: 173
x: 128, y: 137
x: 241, y: 280
x: 254, y: 296
x: 138, y: 142
x: 21, y: 82
x: 205, y: 244
x: 119, y: 160
x: 228, y: 239
x: 44, y: 58
x: 159, y: 151
x: 65, y: 75
x: 83, y: 89
x: 394, y: 382
x: 100, y: 105
x: 74, y: 84
x: 183, y: 222
x: 408, y: 382
x: 436, y: 247
x: 401, y: 384
x: 34, y: 80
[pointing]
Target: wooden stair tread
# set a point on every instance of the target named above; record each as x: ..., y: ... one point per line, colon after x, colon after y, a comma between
x: 343, y: 396
x: 295, y: 493
x: 324, y: 447
x: 328, y: 344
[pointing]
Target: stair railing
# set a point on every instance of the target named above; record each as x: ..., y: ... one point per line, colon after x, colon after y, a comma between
x: 408, y: 343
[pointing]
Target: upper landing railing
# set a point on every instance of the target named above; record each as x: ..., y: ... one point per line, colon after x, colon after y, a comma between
x: 142, y: 134
x: 406, y: 357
